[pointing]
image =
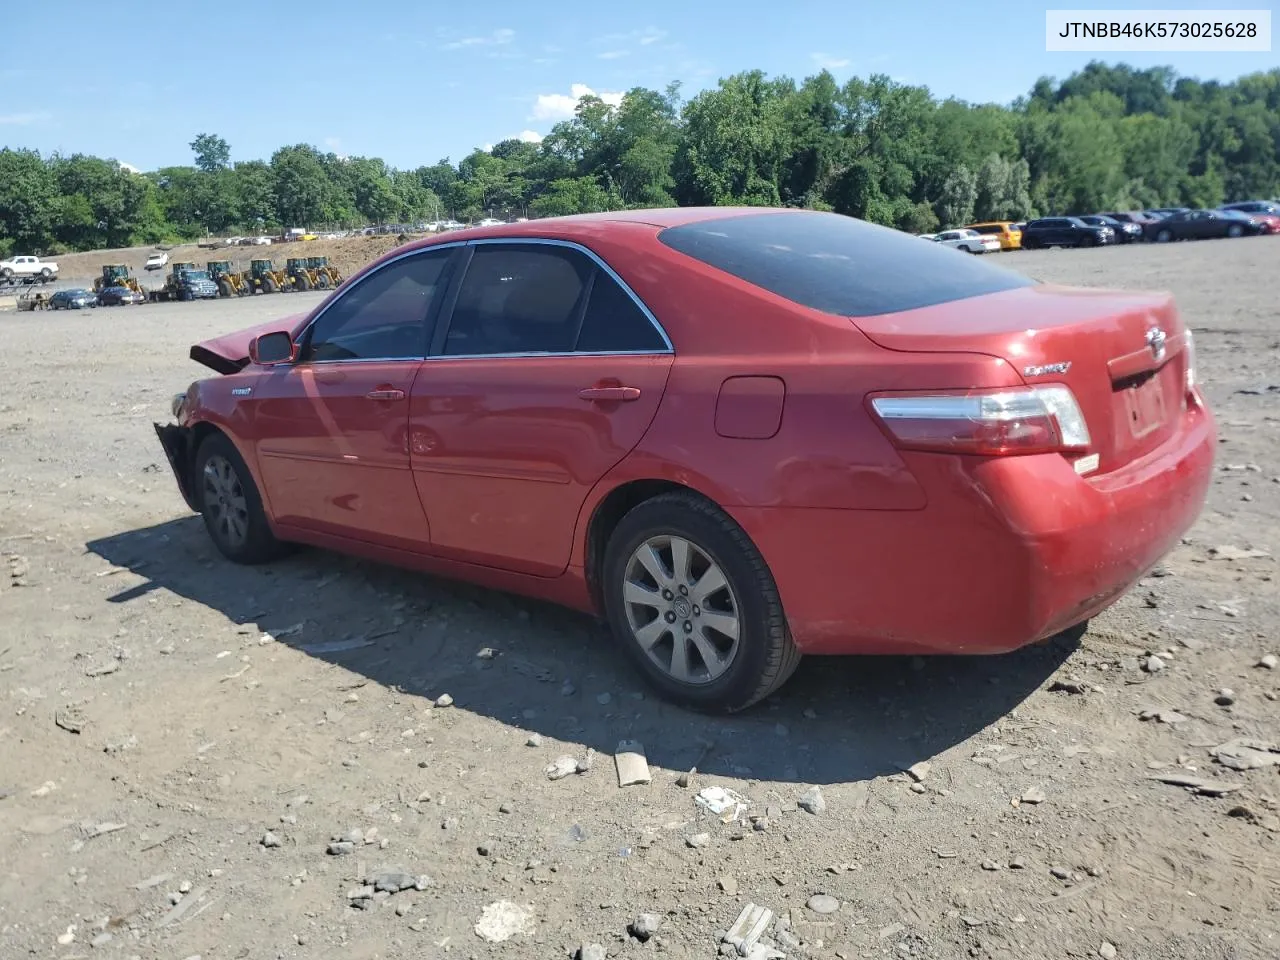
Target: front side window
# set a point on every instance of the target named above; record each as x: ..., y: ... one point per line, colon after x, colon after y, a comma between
x: 518, y: 299
x: 383, y: 317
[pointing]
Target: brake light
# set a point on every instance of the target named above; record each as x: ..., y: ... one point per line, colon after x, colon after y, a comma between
x: 1019, y: 420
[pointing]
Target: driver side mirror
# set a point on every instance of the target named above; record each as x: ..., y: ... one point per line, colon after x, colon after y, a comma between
x: 271, y: 349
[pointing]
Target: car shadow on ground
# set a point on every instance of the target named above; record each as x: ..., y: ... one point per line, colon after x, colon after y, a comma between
x: 543, y: 669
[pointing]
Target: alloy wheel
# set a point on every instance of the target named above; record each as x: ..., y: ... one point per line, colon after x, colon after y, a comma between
x: 225, y: 500
x: 681, y: 609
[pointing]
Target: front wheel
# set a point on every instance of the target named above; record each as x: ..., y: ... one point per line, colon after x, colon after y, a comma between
x: 1164, y: 236
x: 1235, y: 230
x: 230, y: 504
x: 691, y: 599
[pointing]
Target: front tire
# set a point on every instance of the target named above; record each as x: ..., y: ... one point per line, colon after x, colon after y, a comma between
x: 691, y: 599
x: 1164, y: 236
x: 230, y: 504
x: 1235, y: 230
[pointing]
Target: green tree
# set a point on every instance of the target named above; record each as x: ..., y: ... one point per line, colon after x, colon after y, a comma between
x: 28, y: 201
x: 212, y: 152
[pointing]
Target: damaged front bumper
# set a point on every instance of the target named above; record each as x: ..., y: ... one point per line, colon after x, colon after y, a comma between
x: 176, y: 441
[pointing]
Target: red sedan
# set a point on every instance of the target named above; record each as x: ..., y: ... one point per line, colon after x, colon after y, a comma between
x: 740, y: 435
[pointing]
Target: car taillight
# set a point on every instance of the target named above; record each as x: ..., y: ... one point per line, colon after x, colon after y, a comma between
x: 1018, y: 420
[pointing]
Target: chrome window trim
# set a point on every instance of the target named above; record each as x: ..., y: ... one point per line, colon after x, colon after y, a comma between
x: 420, y: 251
x: 599, y: 262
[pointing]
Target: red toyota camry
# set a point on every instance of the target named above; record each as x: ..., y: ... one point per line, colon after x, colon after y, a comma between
x: 740, y: 435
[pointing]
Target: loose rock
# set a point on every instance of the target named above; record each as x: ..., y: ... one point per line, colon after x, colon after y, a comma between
x: 1033, y: 795
x: 698, y: 841
x: 1107, y: 951
x: 561, y: 767
x: 590, y: 951
x: 1062, y: 873
x: 823, y: 903
x: 1153, y: 664
x: 1269, y: 662
x: 270, y: 840
x: 1225, y: 698
x: 444, y: 700
x: 812, y: 801
x: 503, y: 920
x: 644, y: 926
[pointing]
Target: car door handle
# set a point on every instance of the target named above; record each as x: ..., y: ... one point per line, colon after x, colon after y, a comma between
x: 610, y: 393
x: 385, y: 394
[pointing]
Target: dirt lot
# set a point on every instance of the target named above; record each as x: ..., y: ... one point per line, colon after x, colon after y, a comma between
x: 181, y: 740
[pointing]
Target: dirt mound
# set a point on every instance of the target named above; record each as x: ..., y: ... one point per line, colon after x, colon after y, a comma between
x: 348, y: 254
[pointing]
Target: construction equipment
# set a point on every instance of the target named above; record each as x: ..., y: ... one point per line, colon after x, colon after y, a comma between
x: 230, y: 283
x: 326, y: 276
x: 116, y: 275
x: 300, y: 274
x: 263, y: 276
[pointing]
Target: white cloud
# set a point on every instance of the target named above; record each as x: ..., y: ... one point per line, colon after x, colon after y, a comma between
x: 24, y: 119
x: 828, y: 62
x: 560, y: 106
x: 528, y: 136
x: 613, y: 54
x: 643, y: 37
x: 129, y: 167
x: 651, y: 35
x: 497, y: 38
x: 487, y: 147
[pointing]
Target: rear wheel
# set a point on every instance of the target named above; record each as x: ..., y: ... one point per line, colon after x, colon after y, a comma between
x: 322, y: 282
x: 690, y: 598
x: 230, y: 504
x: 1164, y: 236
x: 224, y: 289
x: 1235, y: 230
x: 268, y: 286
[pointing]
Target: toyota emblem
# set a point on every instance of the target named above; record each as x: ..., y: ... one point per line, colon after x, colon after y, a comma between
x: 1156, y: 339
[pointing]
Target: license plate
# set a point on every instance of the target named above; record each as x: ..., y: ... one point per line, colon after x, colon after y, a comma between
x: 1146, y: 407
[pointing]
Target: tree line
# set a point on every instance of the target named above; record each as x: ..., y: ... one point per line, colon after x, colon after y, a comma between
x: 1105, y: 138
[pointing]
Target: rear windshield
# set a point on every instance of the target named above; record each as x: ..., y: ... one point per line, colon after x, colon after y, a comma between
x: 837, y: 264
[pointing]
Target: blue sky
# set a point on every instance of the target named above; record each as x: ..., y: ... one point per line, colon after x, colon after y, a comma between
x: 413, y: 82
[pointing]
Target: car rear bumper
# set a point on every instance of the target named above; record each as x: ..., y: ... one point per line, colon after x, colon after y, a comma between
x: 1007, y: 552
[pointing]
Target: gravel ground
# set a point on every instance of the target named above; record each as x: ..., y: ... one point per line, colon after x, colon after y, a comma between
x: 327, y: 758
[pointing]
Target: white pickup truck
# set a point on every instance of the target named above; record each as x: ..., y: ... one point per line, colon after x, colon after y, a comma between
x: 28, y: 270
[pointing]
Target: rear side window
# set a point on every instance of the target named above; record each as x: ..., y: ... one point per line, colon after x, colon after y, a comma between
x: 518, y: 298
x: 614, y: 323
x: 988, y: 228
x: 837, y: 264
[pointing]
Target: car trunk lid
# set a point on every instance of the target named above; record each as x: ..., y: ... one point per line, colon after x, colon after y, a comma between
x: 1122, y: 353
x: 229, y: 353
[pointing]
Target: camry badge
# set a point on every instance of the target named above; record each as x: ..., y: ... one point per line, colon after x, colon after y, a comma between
x: 1156, y: 340
x: 1046, y: 369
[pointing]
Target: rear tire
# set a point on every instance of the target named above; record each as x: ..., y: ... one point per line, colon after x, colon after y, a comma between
x: 716, y: 585
x: 230, y: 504
x: 1235, y: 230
x: 1163, y: 236
x: 224, y: 289
x: 268, y: 286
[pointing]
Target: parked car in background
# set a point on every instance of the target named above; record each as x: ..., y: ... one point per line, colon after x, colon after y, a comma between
x: 1064, y: 232
x: 1124, y: 232
x: 1254, y: 207
x: 28, y: 270
x: 599, y: 421
x: 157, y: 261
x: 1006, y: 231
x: 119, y: 297
x: 1139, y: 217
x: 970, y: 241
x: 1168, y: 211
x: 76, y: 299
x: 1203, y: 225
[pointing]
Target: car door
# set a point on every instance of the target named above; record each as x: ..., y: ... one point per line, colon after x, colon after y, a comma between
x: 331, y: 430
x: 546, y: 372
